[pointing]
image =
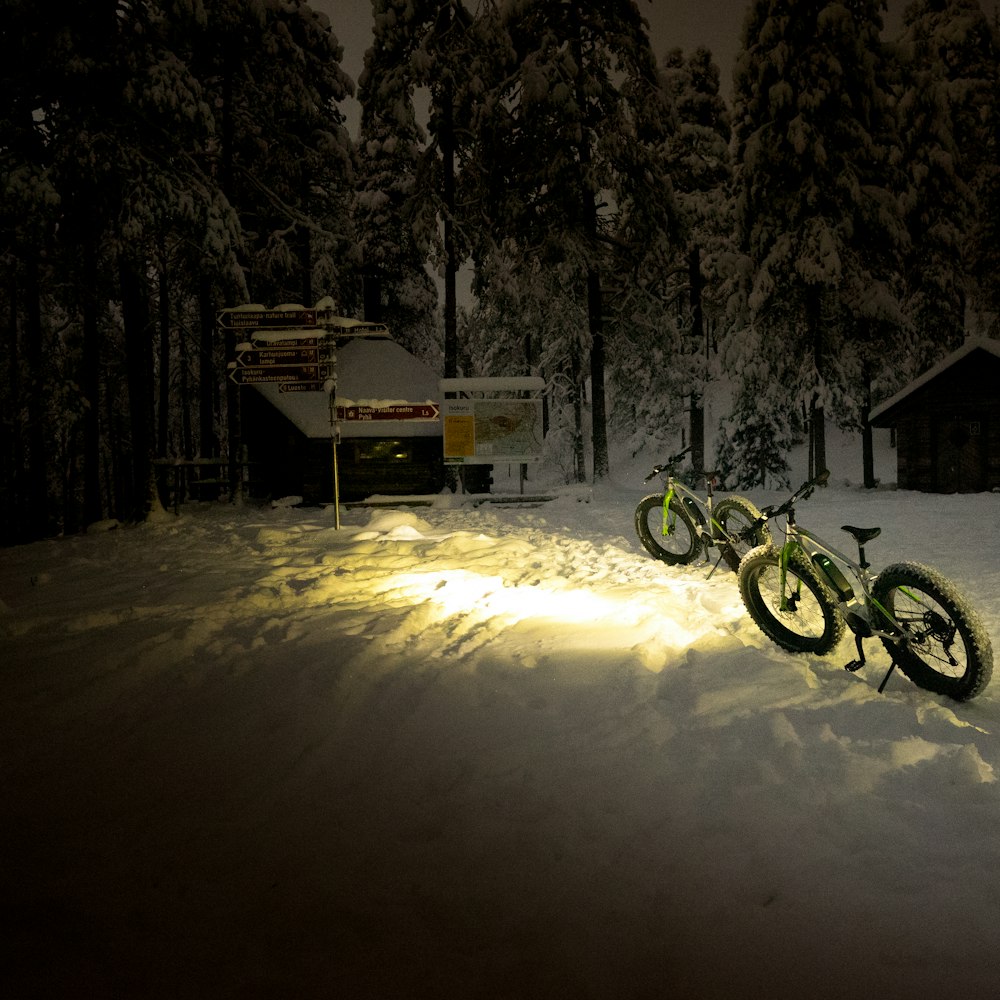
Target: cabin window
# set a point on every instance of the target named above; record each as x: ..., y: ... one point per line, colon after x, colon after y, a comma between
x: 381, y: 450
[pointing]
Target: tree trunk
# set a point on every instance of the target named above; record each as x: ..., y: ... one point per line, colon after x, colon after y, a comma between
x: 579, y: 459
x: 595, y: 302
x: 14, y: 517
x: 234, y: 442
x: 817, y: 421
x: 371, y: 289
x: 139, y: 369
x: 38, y: 469
x: 447, y: 139
x: 305, y: 259
x: 208, y: 443
x: 599, y: 430
x: 867, y: 444
x: 90, y: 379
x: 184, y: 395
x: 163, y: 409
x: 697, y: 412
x: 234, y: 426
x: 817, y: 417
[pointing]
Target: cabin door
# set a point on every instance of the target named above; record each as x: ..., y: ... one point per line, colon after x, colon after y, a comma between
x: 961, y: 454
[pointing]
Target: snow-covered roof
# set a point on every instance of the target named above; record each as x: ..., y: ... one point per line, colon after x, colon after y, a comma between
x: 371, y: 371
x: 973, y: 344
x: 500, y: 384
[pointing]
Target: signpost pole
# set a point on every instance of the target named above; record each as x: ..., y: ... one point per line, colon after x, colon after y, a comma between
x: 336, y: 486
x: 331, y: 387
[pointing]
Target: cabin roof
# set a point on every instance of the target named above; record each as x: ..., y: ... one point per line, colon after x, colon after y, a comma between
x: 371, y: 371
x: 883, y: 413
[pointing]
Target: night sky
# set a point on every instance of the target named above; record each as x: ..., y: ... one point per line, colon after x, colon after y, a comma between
x: 673, y: 23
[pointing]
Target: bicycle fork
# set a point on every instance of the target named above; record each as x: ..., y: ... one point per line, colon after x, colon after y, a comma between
x: 788, y: 602
x: 669, y: 518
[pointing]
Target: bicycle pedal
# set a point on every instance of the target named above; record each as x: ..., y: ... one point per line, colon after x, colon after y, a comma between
x: 854, y: 666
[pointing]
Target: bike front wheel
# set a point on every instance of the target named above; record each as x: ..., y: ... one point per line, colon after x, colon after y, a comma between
x: 942, y: 645
x: 741, y: 529
x: 801, y: 617
x: 668, y: 536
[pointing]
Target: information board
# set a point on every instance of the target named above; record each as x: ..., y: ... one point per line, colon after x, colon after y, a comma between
x: 488, y: 424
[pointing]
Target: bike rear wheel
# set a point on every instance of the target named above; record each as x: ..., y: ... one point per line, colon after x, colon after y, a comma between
x: 736, y: 516
x: 672, y: 539
x: 943, y: 646
x: 805, y: 619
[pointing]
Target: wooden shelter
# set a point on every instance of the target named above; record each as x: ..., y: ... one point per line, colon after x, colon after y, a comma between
x: 388, y: 416
x: 947, y: 423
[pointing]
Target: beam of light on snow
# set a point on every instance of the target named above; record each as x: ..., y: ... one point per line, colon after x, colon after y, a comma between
x: 462, y: 592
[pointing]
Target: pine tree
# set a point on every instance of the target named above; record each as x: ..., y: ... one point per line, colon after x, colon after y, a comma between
x: 985, y: 249
x: 947, y: 57
x: 583, y: 86
x: 29, y: 206
x: 754, y: 441
x: 271, y: 72
x: 398, y: 289
x: 130, y: 137
x: 701, y: 172
x: 815, y: 211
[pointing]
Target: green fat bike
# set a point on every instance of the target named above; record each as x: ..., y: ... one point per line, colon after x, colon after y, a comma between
x: 679, y: 525
x: 800, y: 597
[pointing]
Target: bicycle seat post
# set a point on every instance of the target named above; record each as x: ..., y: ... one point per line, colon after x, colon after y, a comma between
x: 862, y: 535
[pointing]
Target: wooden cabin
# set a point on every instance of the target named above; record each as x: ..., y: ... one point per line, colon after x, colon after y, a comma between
x: 947, y: 423
x: 388, y: 415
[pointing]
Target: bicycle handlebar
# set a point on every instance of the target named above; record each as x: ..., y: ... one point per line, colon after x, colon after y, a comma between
x: 668, y: 464
x: 802, y: 493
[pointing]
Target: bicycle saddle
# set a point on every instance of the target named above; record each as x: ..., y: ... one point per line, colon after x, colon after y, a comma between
x: 861, y: 535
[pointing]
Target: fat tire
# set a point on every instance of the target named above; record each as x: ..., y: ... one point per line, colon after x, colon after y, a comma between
x: 763, y: 564
x: 648, y: 518
x: 925, y: 658
x: 734, y: 515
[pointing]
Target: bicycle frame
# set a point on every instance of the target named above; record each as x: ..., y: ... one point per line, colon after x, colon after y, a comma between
x: 702, y: 524
x: 692, y: 502
x: 856, y: 613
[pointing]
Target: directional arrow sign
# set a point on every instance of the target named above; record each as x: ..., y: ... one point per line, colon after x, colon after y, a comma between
x: 266, y: 319
x: 301, y: 387
x: 259, y: 341
x: 394, y: 411
x: 261, y: 356
x: 276, y: 373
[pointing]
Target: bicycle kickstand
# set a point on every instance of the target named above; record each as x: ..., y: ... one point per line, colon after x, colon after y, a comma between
x: 716, y: 566
x: 888, y: 674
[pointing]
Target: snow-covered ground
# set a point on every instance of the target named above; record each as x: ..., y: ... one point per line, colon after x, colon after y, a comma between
x: 492, y: 751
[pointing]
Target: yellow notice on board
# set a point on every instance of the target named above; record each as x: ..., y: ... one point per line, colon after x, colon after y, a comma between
x: 459, y: 435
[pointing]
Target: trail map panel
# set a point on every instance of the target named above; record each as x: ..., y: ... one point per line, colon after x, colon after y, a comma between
x: 482, y: 431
